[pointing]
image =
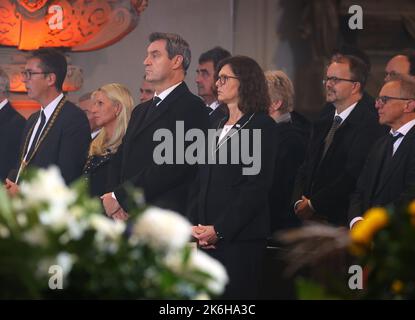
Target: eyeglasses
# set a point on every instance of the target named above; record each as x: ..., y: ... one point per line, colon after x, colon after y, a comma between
x: 391, y: 75
x: 336, y: 80
x: 385, y: 99
x: 28, y: 74
x: 224, y: 78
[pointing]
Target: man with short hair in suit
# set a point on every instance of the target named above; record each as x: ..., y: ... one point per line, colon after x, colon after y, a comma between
x: 59, y: 133
x: 389, y: 173
x: 205, y: 80
x: 400, y: 64
x: 11, y: 129
x: 338, y: 146
x: 165, y: 185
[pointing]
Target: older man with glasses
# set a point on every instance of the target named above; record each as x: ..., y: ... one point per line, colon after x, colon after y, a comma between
x: 338, y: 146
x: 389, y: 174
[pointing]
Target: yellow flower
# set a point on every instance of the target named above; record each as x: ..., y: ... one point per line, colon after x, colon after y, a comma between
x: 397, y: 286
x: 373, y: 220
x: 411, y: 208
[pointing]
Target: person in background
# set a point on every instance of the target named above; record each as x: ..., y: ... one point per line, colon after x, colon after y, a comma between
x: 290, y: 145
x: 146, y: 90
x: 85, y: 104
x: 111, y: 109
x: 400, y: 64
x: 205, y: 80
x: 11, y: 129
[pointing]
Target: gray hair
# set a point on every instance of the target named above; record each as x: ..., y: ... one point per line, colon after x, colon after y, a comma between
x: 281, y: 88
x: 175, y: 46
x: 4, y: 82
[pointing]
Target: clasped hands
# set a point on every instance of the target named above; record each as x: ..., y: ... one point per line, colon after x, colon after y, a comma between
x: 112, y: 208
x: 303, y: 209
x: 205, y: 235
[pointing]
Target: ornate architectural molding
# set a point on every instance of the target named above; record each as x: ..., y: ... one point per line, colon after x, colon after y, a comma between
x: 79, y: 25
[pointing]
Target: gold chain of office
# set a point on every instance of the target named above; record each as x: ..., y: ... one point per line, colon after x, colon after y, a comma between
x: 23, y: 162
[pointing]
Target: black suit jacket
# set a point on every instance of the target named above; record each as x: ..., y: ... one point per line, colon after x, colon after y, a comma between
x: 330, y: 183
x: 11, y: 130
x: 218, y: 115
x: 66, y: 145
x: 290, y: 152
x: 164, y: 185
x: 236, y: 204
x: 396, y: 186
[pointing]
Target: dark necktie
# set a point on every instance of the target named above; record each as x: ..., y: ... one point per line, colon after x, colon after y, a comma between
x: 152, y: 108
x: 36, y: 138
x: 330, y: 135
x: 387, y: 157
x: 391, y: 141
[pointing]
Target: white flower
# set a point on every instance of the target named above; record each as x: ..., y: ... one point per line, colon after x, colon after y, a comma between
x: 202, y: 296
x: 48, y: 187
x: 161, y: 229
x: 4, y: 231
x: 111, y: 229
x: 65, y: 261
x: 36, y: 236
x: 203, y: 262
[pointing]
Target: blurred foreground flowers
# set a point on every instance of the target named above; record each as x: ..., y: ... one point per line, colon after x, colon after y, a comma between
x: 382, y: 244
x: 56, y: 243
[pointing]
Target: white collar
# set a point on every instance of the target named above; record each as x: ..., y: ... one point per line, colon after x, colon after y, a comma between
x: 346, y: 112
x: 48, y: 110
x: 405, y: 128
x: 3, y: 103
x: 162, y: 95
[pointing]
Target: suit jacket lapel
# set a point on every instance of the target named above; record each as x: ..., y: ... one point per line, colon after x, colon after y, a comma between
x: 238, y: 126
x: 162, y: 108
x: 398, y: 157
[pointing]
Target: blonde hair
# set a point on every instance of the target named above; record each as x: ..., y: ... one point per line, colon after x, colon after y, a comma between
x: 117, y: 93
x: 281, y: 88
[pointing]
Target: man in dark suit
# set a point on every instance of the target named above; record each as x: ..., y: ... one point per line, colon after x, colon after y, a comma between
x: 59, y: 133
x: 11, y: 129
x: 338, y: 147
x: 164, y: 184
x: 400, y: 64
x: 389, y: 173
x: 206, y: 88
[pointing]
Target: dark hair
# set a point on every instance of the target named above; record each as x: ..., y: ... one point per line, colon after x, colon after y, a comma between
x: 410, y: 55
x: 253, y: 89
x: 358, y: 68
x: 347, y: 50
x: 215, y: 55
x: 53, y: 61
x: 175, y: 46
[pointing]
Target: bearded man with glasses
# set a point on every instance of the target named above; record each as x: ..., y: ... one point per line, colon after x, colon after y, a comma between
x: 338, y: 146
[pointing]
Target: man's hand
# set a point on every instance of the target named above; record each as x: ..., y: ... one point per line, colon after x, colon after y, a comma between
x: 303, y: 210
x: 111, y: 206
x: 11, y: 187
x: 120, y: 215
x: 206, y: 236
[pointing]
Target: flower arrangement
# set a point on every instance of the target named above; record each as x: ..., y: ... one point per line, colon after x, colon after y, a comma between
x: 56, y: 243
x: 382, y: 246
x: 384, y: 243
